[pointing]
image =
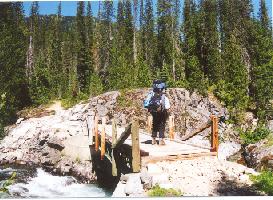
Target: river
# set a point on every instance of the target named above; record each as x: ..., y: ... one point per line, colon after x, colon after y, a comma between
x: 31, y: 182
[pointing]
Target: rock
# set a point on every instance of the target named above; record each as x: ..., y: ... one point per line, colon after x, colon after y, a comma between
x: 146, y: 180
x: 124, y: 177
x: 102, y: 110
x: 50, y: 159
x: 133, y: 185
x: 56, y: 144
x: 160, y: 178
x: 154, y: 169
x: 19, y: 120
x: 270, y: 164
x: 226, y: 149
x: 166, y: 185
x: 119, y: 191
x: 270, y: 125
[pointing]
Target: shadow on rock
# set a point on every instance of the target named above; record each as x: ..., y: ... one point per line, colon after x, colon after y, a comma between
x: 231, y: 187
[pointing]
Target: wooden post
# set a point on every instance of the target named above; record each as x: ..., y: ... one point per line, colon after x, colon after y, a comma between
x: 149, y: 124
x: 214, y: 135
x: 171, y: 127
x: 102, y: 140
x: 114, y: 140
x: 90, y: 125
x: 135, y: 146
x: 96, y: 134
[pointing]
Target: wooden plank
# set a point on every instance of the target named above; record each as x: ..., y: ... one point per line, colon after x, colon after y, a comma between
x: 96, y: 134
x: 135, y: 146
x: 191, y: 144
x: 186, y: 137
x: 114, y: 140
x: 154, y: 159
x: 102, y: 140
x: 123, y: 136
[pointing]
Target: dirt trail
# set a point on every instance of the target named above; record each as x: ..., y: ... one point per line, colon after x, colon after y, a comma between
x: 56, y: 106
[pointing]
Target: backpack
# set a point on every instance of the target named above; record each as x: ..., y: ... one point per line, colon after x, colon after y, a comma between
x: 156, y: 103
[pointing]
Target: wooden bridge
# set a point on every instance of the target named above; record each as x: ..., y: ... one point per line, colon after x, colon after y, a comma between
x: 127, y: 154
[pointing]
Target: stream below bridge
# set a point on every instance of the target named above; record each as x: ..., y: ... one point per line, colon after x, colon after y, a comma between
x: 32, y: 182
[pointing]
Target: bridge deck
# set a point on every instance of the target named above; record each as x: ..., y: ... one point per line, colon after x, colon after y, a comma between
x: 172, y: 148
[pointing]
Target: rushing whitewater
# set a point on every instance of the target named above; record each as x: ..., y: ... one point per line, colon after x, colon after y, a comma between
x: 45, y: 185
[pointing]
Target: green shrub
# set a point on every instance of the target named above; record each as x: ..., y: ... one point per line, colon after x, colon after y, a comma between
x: 251, y: 137
x: 10, y: 181
x: 123, y: 101
x: 264, y: 182
x: 157, y: 191
x: 71, y: 101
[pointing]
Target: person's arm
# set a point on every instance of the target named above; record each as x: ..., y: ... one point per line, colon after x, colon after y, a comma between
x: 167, y: 103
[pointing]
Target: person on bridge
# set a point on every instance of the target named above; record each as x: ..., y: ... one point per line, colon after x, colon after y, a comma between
x: 158, y: 105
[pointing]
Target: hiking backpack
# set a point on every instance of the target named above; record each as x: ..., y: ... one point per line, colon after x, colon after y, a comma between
x: 155, y: 102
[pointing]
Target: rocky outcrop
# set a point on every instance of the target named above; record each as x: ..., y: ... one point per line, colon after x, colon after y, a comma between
x: 43, y: 140
x: 205, y: 176
x: 260, y: 155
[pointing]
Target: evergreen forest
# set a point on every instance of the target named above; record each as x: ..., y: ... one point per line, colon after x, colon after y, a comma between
x: 207, y: 46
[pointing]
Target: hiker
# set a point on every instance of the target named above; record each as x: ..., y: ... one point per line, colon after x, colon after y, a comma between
x: 158, y: 104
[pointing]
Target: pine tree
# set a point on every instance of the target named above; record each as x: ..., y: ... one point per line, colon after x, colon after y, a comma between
x: 83, y: 71
x: 90, y: 35
x: 263, y: 15
x: 141, y: 31
x: 164, y: 27
x: 235, y: 88
x: 129, y: 31
x: 209, y: 41
x: 150, y: 40
x: 55, y: 55
x: 193, y: 71
x: 14, y: 94
x: 105, y: 46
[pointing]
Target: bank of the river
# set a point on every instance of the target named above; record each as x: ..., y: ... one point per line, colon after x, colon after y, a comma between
x: 205, y: 176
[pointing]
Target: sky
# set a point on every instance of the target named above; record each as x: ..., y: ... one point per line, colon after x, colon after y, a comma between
x: 69, y: 8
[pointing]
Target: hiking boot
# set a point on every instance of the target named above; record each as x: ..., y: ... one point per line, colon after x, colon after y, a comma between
x: 153, y: 141
x: 162, y: 142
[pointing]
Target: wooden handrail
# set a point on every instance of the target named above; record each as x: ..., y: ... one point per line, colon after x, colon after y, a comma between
x: 114, y: 140
x: 190, y: 135
x: 123, y: 136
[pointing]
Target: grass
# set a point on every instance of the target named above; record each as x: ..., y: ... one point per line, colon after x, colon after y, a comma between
x: 157, y: 191
x: 264, y: 182
x: 269, y: 142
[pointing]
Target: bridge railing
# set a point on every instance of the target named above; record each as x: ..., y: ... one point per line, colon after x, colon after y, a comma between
x: 116, y: 142
x: 100, y: 139
x: 213, y: 123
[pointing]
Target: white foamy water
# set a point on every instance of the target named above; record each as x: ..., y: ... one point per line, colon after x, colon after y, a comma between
x: 45, y: 185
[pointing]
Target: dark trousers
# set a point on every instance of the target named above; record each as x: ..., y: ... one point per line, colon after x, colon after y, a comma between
x: 159, y: 122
